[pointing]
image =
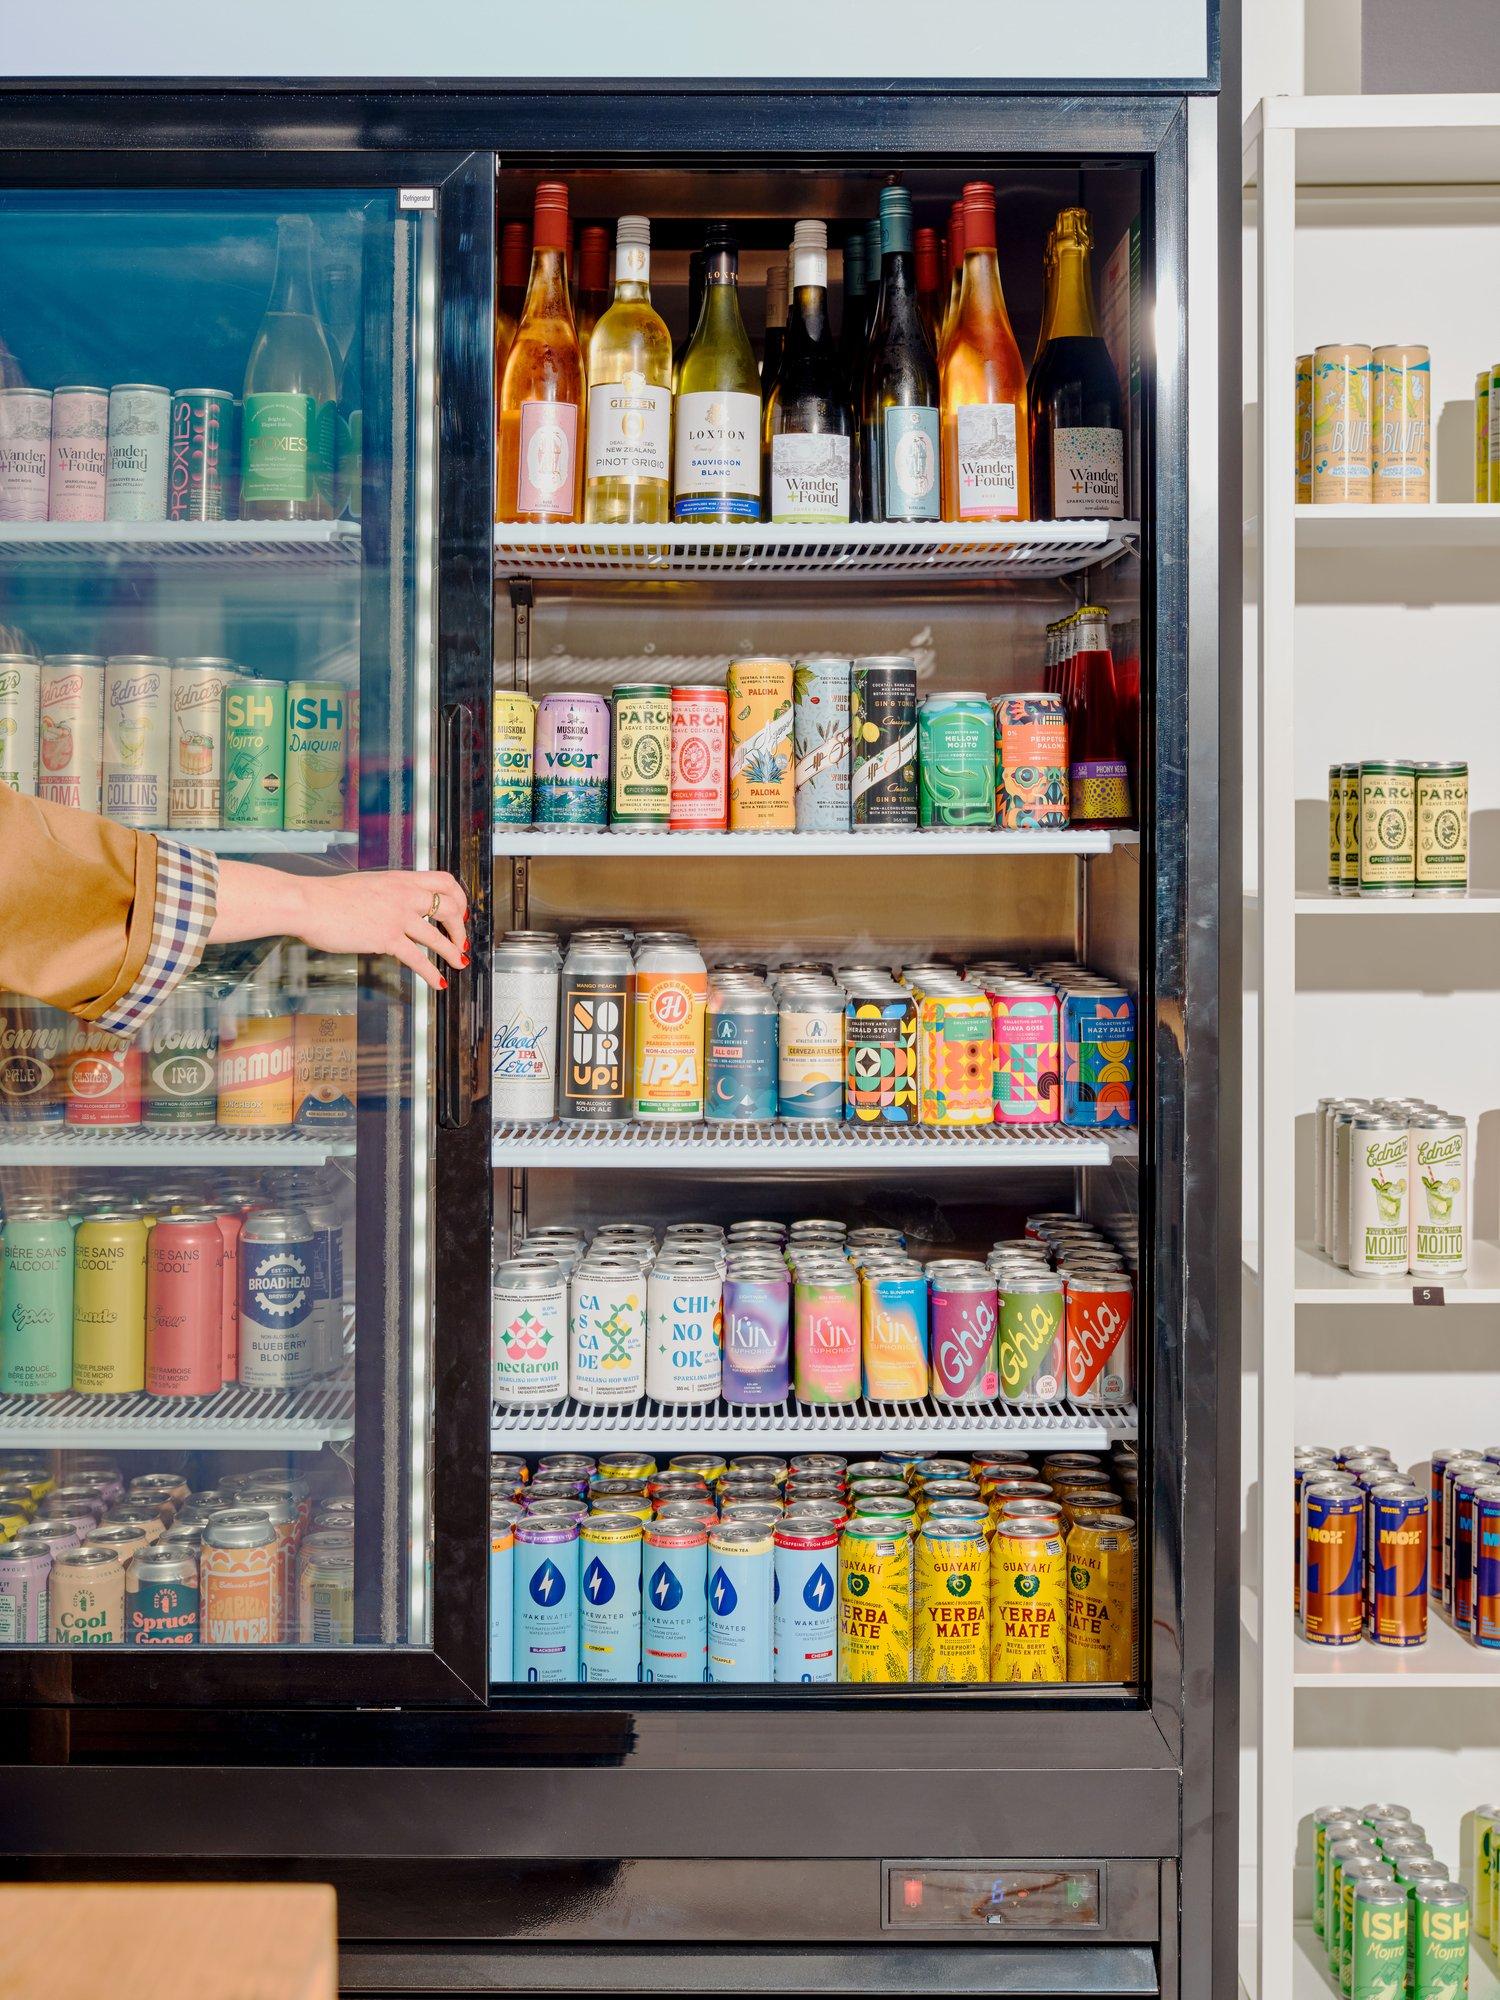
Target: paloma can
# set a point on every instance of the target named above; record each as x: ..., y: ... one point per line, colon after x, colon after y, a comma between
x: 761, y: 778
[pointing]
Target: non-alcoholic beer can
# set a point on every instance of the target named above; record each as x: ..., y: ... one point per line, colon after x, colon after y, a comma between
x: 1442, y: 829
x: 140, y: 420
x: 1396, y: 1605
x: 86, y: 1598
x: 572, y: 760
x: 239, y: 1579
x: 956, y: 760
x: 757, y: 1335
x: 955, y: 1055
x: 1379, y: 1196
x: 1439, y: 1201
x: 195, y: 761
x: 609, y: 1594
x: 700, y: 760
x: 1031, y: 762
x: 674, y: 1602
x: 741, y: 1052
x: 761, y: 777
x: 545, y: 1643
x: 530, y: 1334
x: 1378, y: 1940
x: 163, y: 1603
x: 880, y: 1055
x: 80, y: 453
x: 1029, y: 1600
x: 254, y: 753
x: 1098, y: 1030
x: 595, y: 1082
x: 180, y: 1049
x: 1400, y: 426
x: 257, y: 1058
x: 137, y: 739
x: 805, y: 1609
x: 1026, y: 1032
x: 309, y: 1193
x: 1341, y: 469
x: 952, y: 1612
x: 1387, y: 828
x: 325, y: 1589
x: 1304, y: 423
x: 893, y: 1333
x: 875, y: 1602
x: 963, y: 1337
x: 36, y: 1302
x: 184, y: 1300
x: 1440, y: 1959
x: 821, y: 742
x: 670, y: 1002
x: 502, y: 1596
x: 20, y: 697
x: 514, y: 722
x: 109, y: 1303
x: 883, y: 727
x: 684, y: 1332
x: 71, y: 730
x: 826, y: 1334
x: 523, y: 1056
x: 641, y: 755
x: 1100, y: 1316
x: 741, y: 1569
x: 278, y: 1325
x: 1101, y: 1600
x: 200, y: 452
x: 103, y: 1078
x: 607, y: 1334
x: 810, y: 1051
x: 1332, y: 1560
x: 25, y: 453
x: 325, y: 1055
x: 24, y: 1569
x: 317, y: 725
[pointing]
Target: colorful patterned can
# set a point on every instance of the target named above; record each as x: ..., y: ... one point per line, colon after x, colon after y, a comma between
x: 529, y: 1335
x: 86, y: 1598
x: 1440, y: 1960
x: 137, y: 739
x: 514, y: 725
x: 762, y: 795
x: 109, y: 1304
x: 1100, y: 1317
x: 741, y: 1048
x: 20, y: 696
x: 741, y: 1575
x: 163, y: 1601
x: 955, y: 1056
x: 1032, y: 1340
x: 951, y: 1612
x: 1025, y: 1023
x: 1098, y: 1027
x: 609, y: 1596
x: 140, y: 418
x: 502, y: 1599
x: 1400, y: 426
x: 875, y: 1603
x: 674, y: 1603
x: 195, y: 754
x: 804, y: 1620
x: 641, y: 755
x: 1341, y: 424
x: 1396, y: 1610
x: 572, y: 760
x: 24, y: 1570
x: 963, y: 1321
x: 1304, y: 423
x: 883, y: 729
x: 1031, y: 762
x: 1029, y: 1601
x: 1333, y: 1564
x: 200, y: 450
x: 956, y: 760
x: 317, y: 727
x: 1442, y: 824
x: 25, y: 453
x: 254, y: 753
x: 826, y: 1334
x: 545, y: 1642
x: 239, y: 1577
x: 36, y: 1303
x: 893, y: 1315
x: 1387, y: 828
x: 80, y: 453
x: 821, y: 741
x: 1101, y: 1600
x: 700, y: 760
x: 757, y: 1337
x: 880, y: 1057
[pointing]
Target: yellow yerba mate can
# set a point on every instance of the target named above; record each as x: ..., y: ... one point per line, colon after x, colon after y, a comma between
x: 1101, y: 1600
x: 875, y: 1602
x: 1029, y: 1600
x: 952, y: 1615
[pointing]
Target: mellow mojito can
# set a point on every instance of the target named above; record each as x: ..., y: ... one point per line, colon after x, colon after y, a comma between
x: 1387, y: 828
x: 609, y: 1593
x: 641, y: 759
x: 821, y: 740
x: 952, y: 1613
x: 1029, y: 1601
x: 956, y: 760
x: 254, y: 753
x: 515, y: 744
x: 875, y: 1602
x: 316, y: 727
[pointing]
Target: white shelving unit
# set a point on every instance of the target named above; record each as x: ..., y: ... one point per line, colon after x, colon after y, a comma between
x: 620, y: 843
x: 263, y: 840
x: 236, y: 1419
x: 320, y: 544
x: 813, y: 1142
x: 1363, y: 164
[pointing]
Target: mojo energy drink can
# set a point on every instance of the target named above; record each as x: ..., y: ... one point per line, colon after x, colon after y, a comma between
x: 195, y: 754
x: 545, y: 1642
x: 70, y: 753
x: 79, y: 469
x: 572, y: 760
x: 1387, y: 828
x: 137, y: 739
x: 700, y: 760
x: 1098, y: 1034
x: 316, y: 729
x: 199, y: 455
x: 956, y: 760
x: 1401, y: 425
x: 821, y: 741
x: 609, y: 1596
x: 254, y: 753
x: 883, y: 726
x: 741, y: 1576
x: 1304, y: 422
x: 674, y: 1602
x: 804, y: 1622
x: 1440, y: 1961
x: 1029, y: 1601
x: 20, y: 694
x: 762, y: 795
x: 1031, y: 762
x: 1439, y: 1162
x: 514, y: 723
x: 952, y: 1612
x: 595, y: 1080
x: 1101, y: 1600
x: 1341, y: 424
x: 641, y: 759
x: 109, y: 1304
x: 140, y: 417
x: 1442, y: 828
x: 875, y: 1602
x: 86, y: 1598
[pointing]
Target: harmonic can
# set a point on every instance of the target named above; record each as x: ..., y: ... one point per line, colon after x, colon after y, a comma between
x: 955, y: 760
x: 805, y: 1610
x: 1341, y: 424
x: 140, y: 418
x: 25, y: 453
x: 607, y: 1334
x: 883, y: 726
x: 1396, y: 1610
x: 1031, y: 762
x: 1400, y: 426
x: 572, y: 760
x: 1100, y: 1315
x: 1029, y: 1600
x: 821, y: 740
x: 641, y: 759
x: 180, y: 1048
x: 880, y: 1055
x: 757, y: 1336
x: 742, y: 1052
x: 529, y: 1334
x: 24, y: 1570
x: 20, y: 698
x: 163, y: 1605
x: 79, y: 472
x: 1442, y: 829
x: 700, y: 760
x: 546, y: 1601
x: 514, y: 722
x: 254, y: 753
x: 278, y: 1327
x: 317, y: 724
x: 1101, y: 1600
x: 200, y: 454
x: 741, y: 1570
x: 674, y: 1603
x: 1332, y: 1560
x: 137, y: 739
x: 875, y: 1602
x: 951, y: 1611
x: 109, y: 1304
x: 523, y: 1044
x: 596, y: 1025
x: 70, y: 751
x: 609, y: 1595
x: 195, y: 750
x: 762, y: 797
x: 86, y: 1598
x: 1387, y: 827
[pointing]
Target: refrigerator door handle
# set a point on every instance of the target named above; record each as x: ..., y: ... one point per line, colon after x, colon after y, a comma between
x: 458, y: 852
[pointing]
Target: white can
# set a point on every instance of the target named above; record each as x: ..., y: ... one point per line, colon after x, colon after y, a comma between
x: 1439, y: 1195
x: 529, y: 1335
x: 607, y: 1332
x: 70, y: 747
x: 25, y: 452
x: 140, y: 416
x: 810, y: 1051
x: 1320, y: 1172
x: 195, y: 758
x: 523, y: 1050
x: 1379, y: 1204
x: 1341, y: 1120
x: 684, y: 1332
x: 20, y: 695
x: 80, y: 453
x: 137, y: 739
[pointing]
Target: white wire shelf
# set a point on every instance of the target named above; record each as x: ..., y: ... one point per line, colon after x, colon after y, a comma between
x: 813, y: 1143
x: 938, y: 552
x: 235, y: 1419
x: 140, y: 1146
x: 262, y: 840
x: 1321, y: 1282
x: 315, y: 544
x: 896, y: 1426
x: 606, y: 843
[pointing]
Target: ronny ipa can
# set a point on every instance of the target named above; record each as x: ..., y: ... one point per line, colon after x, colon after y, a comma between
x: 761, y: 778
x: 700, y: 760
x: 641, y: 755
x: 317, y: 721
x: 195, y: 764
x: 254, y: 753
x: 883, y: 726
x: 137, y: 739
x: 240, y: 1579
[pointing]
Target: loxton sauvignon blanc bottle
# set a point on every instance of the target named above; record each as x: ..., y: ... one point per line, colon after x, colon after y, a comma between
x: 716, y: 457
x: 983, y: 385
x: 1077, y: 427
x: 811, y: 467
x: 629, y: 455
x: 289, y: 385
x: 900, y: 408
x: 541, y: 391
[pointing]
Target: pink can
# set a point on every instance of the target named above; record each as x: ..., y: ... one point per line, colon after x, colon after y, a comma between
x: 80, y: 453
x: 700, y: 760
x: 231, y: 1221
x: 25, y: 453
x: 571, y: 761
x: 964, y: 1323
x: 185, y: 1305
x: 104, y: 1079
x: 1028, y: 1053
x: 826, y: 1334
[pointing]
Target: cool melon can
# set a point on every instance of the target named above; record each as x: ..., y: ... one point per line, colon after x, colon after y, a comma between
x: 762, y: 795
x: 317, y: 726
x: 546, y: 1601
x: 254, y: 753
x: 952, y: 1612
x: 641, y: 759
x: 1101, y: 1600
x: 875, y: 1602
x: 1029, y: 1600
x: 804, y: 1620
x: 514, y: 723
x: 609, y: 1595
x: 741, y: 1569
x: 674, y: 1602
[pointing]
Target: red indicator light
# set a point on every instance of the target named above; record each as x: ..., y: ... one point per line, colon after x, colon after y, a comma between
x: 912, y: 1891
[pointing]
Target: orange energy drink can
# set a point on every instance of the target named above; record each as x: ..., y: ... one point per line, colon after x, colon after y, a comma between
x: 1101, y: 1600
x: 952, y: 1602
x: 1333, y: 1563
x: 762, y: 780
x: 1029, y: 1600
x: 1396, y: 1606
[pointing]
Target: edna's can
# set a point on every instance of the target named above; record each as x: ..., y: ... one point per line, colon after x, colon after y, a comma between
x: 883, y: 729
x: 24, y: 1570
x: 951, y: 1612
x: 1029, y: 1601
x: 545, y: 1641
x: 761, y: 781
x: 1400, y: 426
x: 1101, y: 1600
x: 741, y: 1052
x: 1442, y: 829
x: 80, y: 453
x: 1031, y: 762
x: 956, y: 760
x: 821, y: 741
x: 641, y: 757
x: 1341, y: 424
x: 515, y: 742
x: 20, y: 695
x: 199, y: 455
x: 195, y: 753
x: 254, y: 753
x: 595, y: 1079
x: 140, y: 417
x: 609, y: 1597
x: 279, y: 1325
x: 529, y: 1334
x: 162, y: 1600
x: 1346, y: 786
x: 86, y: 1598
x: 70, y: 752
x: 137, y: 739
x: 674, y: 1602
x: 875, y: 1602
x: 1332, y: 1559
x: 700, y: 760
x: 317, y: 720
x: 1304, y: 424
x: 1439, y: 1194
x: 109, y: 1303
x: 670, y: 998
x: 1387, y: 828
x: 1379, y: 1196
x: 572, y: 760
x: 741, y: 1576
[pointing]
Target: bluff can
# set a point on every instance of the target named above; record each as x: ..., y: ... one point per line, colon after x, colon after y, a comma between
x: 20, y: 699
x: 278, y: 1325
x: 572, y: 760
x: 1387, y: 828
x: 109, y: 1304
x: 86, y: 1598
x: 1401, y: 426
x: 641, y: 755
x: 880, y: 1057
x: 596, y: 1021
x: 761, y: 778
x: 546, y: 1602
x: 741, y: 1560
x: 1101, y: 1600
x: 529, y: 1335
x: 952, y: 1613
x: 239, y: 1579
x: 23, y: 1594
x: 254, y: 753
x: 821, y: 741
x: 741, y: 1049
x: 1341, y: 424
x: 514, y: 723
x: 700, y: 760
x: 1029, y: 1601
x: 1031, y: 762
x: 875, y: 1603
x: 1442, y: 829
x: 674, y: 1603
x: 199, y: 455
x: 137, y: 739
x: 25, y: 453
x: 609, y: 1591
x: 70, y: 754
x: 883, y: 726
x: 316, y: 734
x: 163, y: 1605
x: 195, y: 753
x: 956, y: 760
x: 804, y: 1619
x: 140, y: 415
x: 523, y: 1048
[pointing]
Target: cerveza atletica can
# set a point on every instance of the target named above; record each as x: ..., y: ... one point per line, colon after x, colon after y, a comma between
x: 741, y: 1036
x: 674, y: 1602
x: 546, y: 1601
x: 740, y: 1571
x: 609, y: 1557
x: 883, y: 723
x: 278, y: 1325
x: 821, y: 744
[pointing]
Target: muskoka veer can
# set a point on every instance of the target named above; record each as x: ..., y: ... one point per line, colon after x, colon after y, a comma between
x: 700, y: 760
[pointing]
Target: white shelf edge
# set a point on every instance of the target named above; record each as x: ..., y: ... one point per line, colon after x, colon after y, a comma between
x: 856, y: 1428
x: 135, y: 1145
x: 1483, y: 905
x: 1321, y: 1282
x: 914, y: 1148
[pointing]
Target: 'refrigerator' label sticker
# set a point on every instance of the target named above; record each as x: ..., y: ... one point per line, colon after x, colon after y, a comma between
x: 717, y: 460
x: 988, y: 486
x: 630, y: 429
x: 809, y: 477
x: 911, y: 465
x: 549, y: 438
x: 1088, y: 474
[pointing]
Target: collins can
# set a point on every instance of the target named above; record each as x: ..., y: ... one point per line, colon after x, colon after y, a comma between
x: 761, y: 779
x: 109, y: 1303
x: 1100, y: 1315
x: 1101, y: 1600
x: 195, y: 758
x: 670, y: 1001
x: 741, y: 1047
x: 545, y: 1641
x: 199, y: 455
x: 609, y: 1597
x: 1333, y: 1563
x: 821, y: 743
x: 523, y: 1049
x: 1031, y: 762
x: 71, y: 730
x: 956, y: 760
x: 674, y: 1602
x: 1442, y: 822
x: 278, y: 1324
x: 700, y: 760
x: 140, y: 417
x: 162, y: 1601
x: 514, y: 722
x: 883, y: 726
x: 596, y: 1005
x: 804, y: 1617
x: 239, y: 1579
x: 529, y: 1334
x: 20, y: 695
x: 25, y: 453
x: 1029, y: 1601
x: 317, y: 721
x: 572, y: 760
x: 875, y: 1602
x: 137, y: 739
x: 741, y: 1568
x: 254, y: 753
x: 86, y: 1598
x: 641, y: 755
x: 952, y: 1612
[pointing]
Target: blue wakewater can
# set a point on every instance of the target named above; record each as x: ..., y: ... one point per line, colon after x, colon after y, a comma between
x: 609, y: 1618
x: 740, y: 1570
x: 674, y: 1607
x: 546, y: 1601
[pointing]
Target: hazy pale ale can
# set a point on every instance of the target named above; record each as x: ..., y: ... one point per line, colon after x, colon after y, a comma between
x: 195, y: 770
x: 316, y: 729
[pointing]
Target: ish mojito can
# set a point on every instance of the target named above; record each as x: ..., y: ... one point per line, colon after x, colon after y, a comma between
x: 883, y: 726
x: 80, y: 453
x: 254, y: 753
x: 641, y: 755
x: 956, y: 760
x: 515, y: 745
x: 1031, y: 762
x: 822, y: 742
x: 1441, y: 1957
x: 1442, y: 823
x: 761, y: 779
x: 195, y: 755
x: 316, y: 732
x: 1387, y: 828
x: 1029, y: 1601
x: 572, y: 760
x: 1378, y: 1940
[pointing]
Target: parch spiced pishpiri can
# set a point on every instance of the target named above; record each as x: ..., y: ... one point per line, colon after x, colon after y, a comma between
x: 883, y: 725
x: 1442, y: 825
x: 1387, y: 827
x: 641, y: 759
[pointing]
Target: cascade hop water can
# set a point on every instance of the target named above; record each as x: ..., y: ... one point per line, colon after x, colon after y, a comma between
x: 609, y: 1593
x: 25, y: 453
x: 804, y: 1620
x: 572, y: 760
x: 607, y: 1333
x: 875, y: 1602
x: 674, y: 1602
x: 1031, y: 762
x: 1439, y: 1175
x: 1341, y: 424
x: 195, y: 756
x: 956, y: 760
x: 1379, y: 1196
x: 545, y: 1644
x: 761, y: 777
x: 316, y: 734
x: 1029, y: 1601
x: 741, y: 1562
x: 952, y: 1612
x: 36, y: 1302
x: 641, y: 755
x: 71, y: 730
x: 529, y: 1334
x: 684, y: 1332
x: 20, y: 697
x: 514, y: 723
x: 883, y: 726
x: 700, y: 760
x: 109, y: 1303
x: 822, y: 742
x: 254, y: 753
x: 137, y: 739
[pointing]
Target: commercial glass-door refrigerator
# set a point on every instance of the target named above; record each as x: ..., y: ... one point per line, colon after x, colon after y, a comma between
x: 782, y: 1542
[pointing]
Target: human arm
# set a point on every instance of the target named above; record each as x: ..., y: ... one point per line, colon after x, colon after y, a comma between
x: 376, y: 911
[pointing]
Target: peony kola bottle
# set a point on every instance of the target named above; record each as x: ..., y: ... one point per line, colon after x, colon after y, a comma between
x: 1099, y: 766
x: 983, y: 385
x: 540, y: 468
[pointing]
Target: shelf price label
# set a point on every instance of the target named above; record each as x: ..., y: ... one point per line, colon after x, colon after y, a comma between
x: 1428, y: 1295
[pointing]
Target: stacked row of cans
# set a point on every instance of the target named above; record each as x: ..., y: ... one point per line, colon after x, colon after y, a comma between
x: 1391, y: 1920
x: 134, y: 452
x: 188, y: 744
x: 1364, y: 425
x: 891, y: 1570
x: 1398, y: 828
x: 177, y: 1292
x: 816, y: 745
x: 265, y: 1557
x: 258, y: 1057
x: 649, y: 1032
x: 814, y: 1310
x: 1391, y: 1184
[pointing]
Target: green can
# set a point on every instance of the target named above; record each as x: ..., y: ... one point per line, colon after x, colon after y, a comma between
x: 36, y: 1302
x: 254, y: 753
x: 641, y: 760
x: 955, y: 760
x: 1417, y: 1874
x: 1378, y: 1941
x: 1440, y: 1965
x: 1330, y: 1823
x: 1387, y: 827
x: 1340, y: 1941
x: 317, y: 730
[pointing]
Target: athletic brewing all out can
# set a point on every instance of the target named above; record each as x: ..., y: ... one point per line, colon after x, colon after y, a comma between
x: 195, y: 769
x: 741, y: 1051
x: 821, y: 742
x: 609, y: 1598
x: 595, y: 1081
x: 883, y: 725
x: 71, y: 732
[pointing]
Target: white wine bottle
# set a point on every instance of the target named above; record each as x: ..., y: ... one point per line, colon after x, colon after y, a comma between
x: 717, y: 458
x: 289, y: 383
x: 629, y: 458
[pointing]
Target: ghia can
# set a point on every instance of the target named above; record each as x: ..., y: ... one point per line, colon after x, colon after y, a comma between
x: 1100, y: 1316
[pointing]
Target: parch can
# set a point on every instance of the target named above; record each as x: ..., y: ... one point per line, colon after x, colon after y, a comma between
x: 254, y: 753
x: 700, y: 760
x: 1379, y: 1195
x: 1332, y: 1559
x: 1029, y: 1601
x: 278, y: 1326
x: 955, y: 1054
x: 572, y: 760
x: 741, y: 1051
x: 1387, y: 828
x: 596, y: 981
x: 1341, y: 424
x: 1304, y: 423
x: 162, y: 1600
x: 239, y: 1578
x: 880, y: 1054
x: 1101, y: 1600
x: 1440, y: 1957
x: 1100, y: 1319
x: 546, y: 1601
x: 523, y: 1047
x: 1482, y: 436
x: 821, y: 742
x: 514, y: 723
x: 529, y: 1334
x: 70, y: 753
x: 109, y: 1303
x: 1396, y: 1602
x: 25, y: 453
x: 955, y: 760
x: 674, y: 1602
x: 951, y: 1611
x: 641, y: 756
x: 86, y: 1598
x: 20, y: 695
x: 200, y: 451
x: 1348, y: 869
x: 195, y: 754
x: 140, y: 418
x: 883, y: 729
x: 609, y: 1596
x: 761, y: 779
x: 137, y: 739
x: 875, y: 1602
x: 1439, y: 1197
x: 741, y: 1577
x: 1400, y: 426
x: 805, y: 1608
x: 79, y: 470
x: 1442, y: 829
x: 1031, y: 762
x: 36, y: 1302
x: 317, y: 721
x: 669, y: 1007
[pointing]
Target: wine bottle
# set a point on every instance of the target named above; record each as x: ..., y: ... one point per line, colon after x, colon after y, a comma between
x: 695, y: 307
x: 873, y: 255
x: 510, y: 294
x: 1077, y: 425
x: 983, y: 385
x: 629, y: 452
x: 810, y: 428
x: 929, y: 298
x: 776, y: 303
x: 900, y: 408
x: 593, y: 282
x: 852, y: 327
x: 1049, y: 302
x: 541, y: 392
x: 289, y: 384
x: 955, y: 242
x: 716, y: 457
x: 1098, y: 770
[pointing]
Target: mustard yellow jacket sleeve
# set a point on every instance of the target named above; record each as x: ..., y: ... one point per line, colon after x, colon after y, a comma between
x: 77, y: 899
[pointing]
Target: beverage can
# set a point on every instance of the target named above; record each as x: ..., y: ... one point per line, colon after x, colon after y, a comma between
x: 1100, y: 1319
x: 669, y: 1010
x: 20, y: 698
x: 826, y: 1334
x: 880, y: 1056
x: 163, y: 1600
x: 1379, y: 1196
x: 502, y: 1579
x: 325, y: 1055
x: 1341, y: 469
x: 963, y: 1319
x: 278, y: 1325
x: 596, y: 1017
x: 607, y: 1335
x: 1396, y: 1607
x: 1026, y: 1032
x: 804, y: 1619
x: 757, y: 1337
x: 1101, y: 1600
x: 1332, y: 1563
x: 684, y: 1333
x: 1439, y: 1174
x: 1304, y: 423
x: 545, y: 1641
x: 200, y: 453
x: 1400, y: 426
x: 103, y: 1074
x: 316, y: 742
x: 184, y: 1301
x: 195, y: 752
x: 1440, y: 1958
x: 524, y: 1001
x: 25, y: 453
x: 1485, y: 1623
x: 742, y: 1052
x: 1031, y: 762
x: 1099, y: 1057
x: 254, y: 753
x: 700, y: 760
x: 674, y: 1602
x: 86, y: 1598
x: 306, y: 1192
x: 956, y: 760
x: 1442, y: 829
x: 741, y: 1570
x: 79, y: 466
x: 572, y: 760
x: 137, y: 739
x: 1387, y: 828
x: 109, y: 1303
x: 1378, y: 1939
x: 821, y: 742
x: 883, y: 726
x: 609, y: 1595
x: 955, y: 1056
x: 325, y: 1589
x: 761, y: 777
x: 34, y: 1041
x: 514, y: 723
x: 641, y: 755
x: 71, y: 731
x: 140, y: 416
x: 810, y: 1052
x: 875, y: 1603
x: 530, y: 1334
x: 893, y: 1334
x: 239, y: 1579
x: 24, y: 1570
x: 257, y: 1058
x: 951, y: 1612
x: 1029, y: 1601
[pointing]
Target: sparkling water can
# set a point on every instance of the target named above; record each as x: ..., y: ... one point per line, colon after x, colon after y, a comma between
x: 572, y: 760
x: 545, y: 1642
x: 757, y: 1337
x: 804, y: 1617
x: 684, y: 1334
x: 822, y: 743
x: 163, y: 1600
x: 523, y: 1059
x: 529, y: 1334
x: 607, y: 1335
x: 609, y: 1592
x: 741, y: 1569
x: 674, y: 1602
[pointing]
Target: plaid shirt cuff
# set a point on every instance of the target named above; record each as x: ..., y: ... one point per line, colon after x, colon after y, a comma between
x: 187, y: 887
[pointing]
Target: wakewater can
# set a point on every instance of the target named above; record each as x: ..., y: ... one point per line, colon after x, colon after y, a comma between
x: 761, y: 778
x: 1029, y: 1601
x: 674, y: 1603
x: 883, y: 727
x: 523, y: 1045
x: 109, y: 1303
x: 741, y: 1562
x: 1031, y: 762
x: 80, y: 453
x: 757, y: 1337
x: 137, y: 739
x: 254, y: 753
x: 20, y: 699
x: 595, y: 1082
x: 822, y: 743
x: 951, y: 1612
x: 609, y: 1592
x: 956, y: 760
x: 71, y: 730
x: 546, y: 1602
x: 514, y: 721
x: 804, y: 1619
x: 317, y: 720
x: 195, y: 755
x: 880, y: 1058
x: 572, y: 760
x: 875, y: 1603
x: 502, y: 1600
x: 641, y: 755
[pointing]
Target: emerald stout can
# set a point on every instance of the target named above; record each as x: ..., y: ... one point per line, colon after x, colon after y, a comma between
x: 317, y: 717
x: 254, y: 753
x: 641, y: 766
x: 1377, y: 1958
x: 883, y: 721
x: 1387, y: 828
x: 1440, y: 1962
x: 956, y: 760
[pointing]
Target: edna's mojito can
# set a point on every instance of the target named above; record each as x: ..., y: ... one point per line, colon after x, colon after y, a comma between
x: 316, y: 727
x: 254, y: 753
